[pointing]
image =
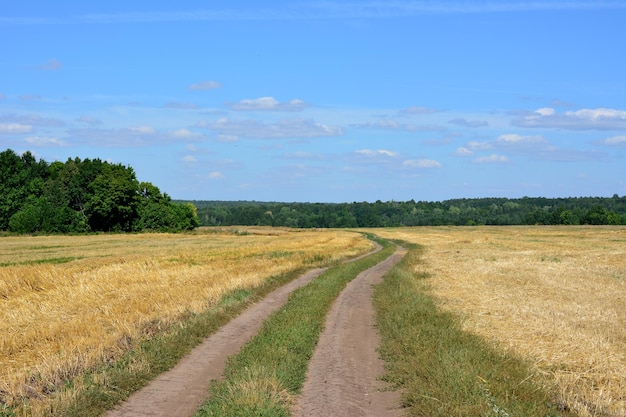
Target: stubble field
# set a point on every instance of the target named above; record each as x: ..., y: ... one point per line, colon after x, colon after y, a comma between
x: 69, y: 303
x: 555, y: 296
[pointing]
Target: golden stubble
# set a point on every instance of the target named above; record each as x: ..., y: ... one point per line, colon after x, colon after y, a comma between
x: 554, y: 295
x: 68, y: 303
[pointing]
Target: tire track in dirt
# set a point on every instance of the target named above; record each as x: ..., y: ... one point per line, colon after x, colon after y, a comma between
x: 342, y: 379
x: 180, y: 391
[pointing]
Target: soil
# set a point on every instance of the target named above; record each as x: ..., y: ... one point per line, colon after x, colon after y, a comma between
x: 342, y: 379
x: 180, y: 391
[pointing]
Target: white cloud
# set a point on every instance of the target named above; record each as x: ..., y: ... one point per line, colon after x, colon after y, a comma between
x: 463, y: 152
x: 367, y: 161
x: 179, y: 105
x: 569, y: 155
x: 227, y: 163
x: 386, y: 124
x: 438, y: 141
x: 535, y: 147
x: 380, y: 10
x: 538, y: 147
x: 390, y: 124
x: 190, y: 159
x: 142, y: 130
x: 44, y: 141
x: 500, y: 159
x: 468, y: 123
x: 196, y: 15
x: 584, y: 119
x: 320, y: 10
x: 30, y: 119
x: 131, y: 137
x: 267, y: 104
x: 511, y: 142
x: 204, y: 85
x: 416, y: 110
x: 300, y: 155
x: 421, y: 163
x: 15, y: 128
x: 89, y: 120
x: 216, y: 175
x: 379, y: 152
x: 184, y: 133
x: 227, y: 138
x: 618, y: 141
x: 31, y: 97
x: 50, y: 65
x: 545, y: 111
x: 282, y: 129
x: 514, y: 139
x: 478, y: 146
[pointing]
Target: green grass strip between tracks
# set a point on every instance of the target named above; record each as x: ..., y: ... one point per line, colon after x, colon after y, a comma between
x: 270, y: 370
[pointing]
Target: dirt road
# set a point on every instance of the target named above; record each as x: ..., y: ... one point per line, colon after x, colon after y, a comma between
x: 354, y: 367
x: 342, y: 377
x: 180, y: 391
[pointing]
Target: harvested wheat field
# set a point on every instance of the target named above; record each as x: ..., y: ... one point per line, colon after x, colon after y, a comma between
x: 68, y: 303
x: 554, y: 295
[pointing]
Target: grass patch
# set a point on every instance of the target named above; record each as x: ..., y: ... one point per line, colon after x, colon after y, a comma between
x: 60, y: 260
x: 441, y: 369
x: 45, y: 247
x: 270, y: 370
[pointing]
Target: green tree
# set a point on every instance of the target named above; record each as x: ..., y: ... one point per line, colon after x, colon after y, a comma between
x: 83, y: 195
x: 596, y: 215
x: 157, y: 212
x: 26, y: 220
x: 186, y: 216
x: 22, y: 179
x: 113, y: 203
x: 566, y: 217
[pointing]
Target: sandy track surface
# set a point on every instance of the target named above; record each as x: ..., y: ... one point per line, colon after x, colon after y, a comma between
x: 342, y: 379
x: 180, y: 391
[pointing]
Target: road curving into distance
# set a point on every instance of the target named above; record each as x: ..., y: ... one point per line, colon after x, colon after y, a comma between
x: 347, y: 385
x: 343, y: 376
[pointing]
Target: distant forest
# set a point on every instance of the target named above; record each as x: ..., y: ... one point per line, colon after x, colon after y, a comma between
x: 79, y: 196
x: 458, y: 212
x: 91, y: 195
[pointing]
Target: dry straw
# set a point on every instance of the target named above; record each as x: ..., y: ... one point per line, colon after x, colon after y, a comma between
x: 555, y: 295
x: 69, y: 303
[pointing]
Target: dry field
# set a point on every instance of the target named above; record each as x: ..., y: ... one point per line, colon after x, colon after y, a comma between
x: 68, y: 303
x: 554, y: 295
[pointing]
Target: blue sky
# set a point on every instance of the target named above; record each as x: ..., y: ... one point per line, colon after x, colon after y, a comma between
x: 325, y: 101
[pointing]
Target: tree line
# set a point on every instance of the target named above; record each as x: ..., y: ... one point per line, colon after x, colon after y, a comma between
x: 457, y: 212
x: 79, y: 196
x: 91, y: 195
